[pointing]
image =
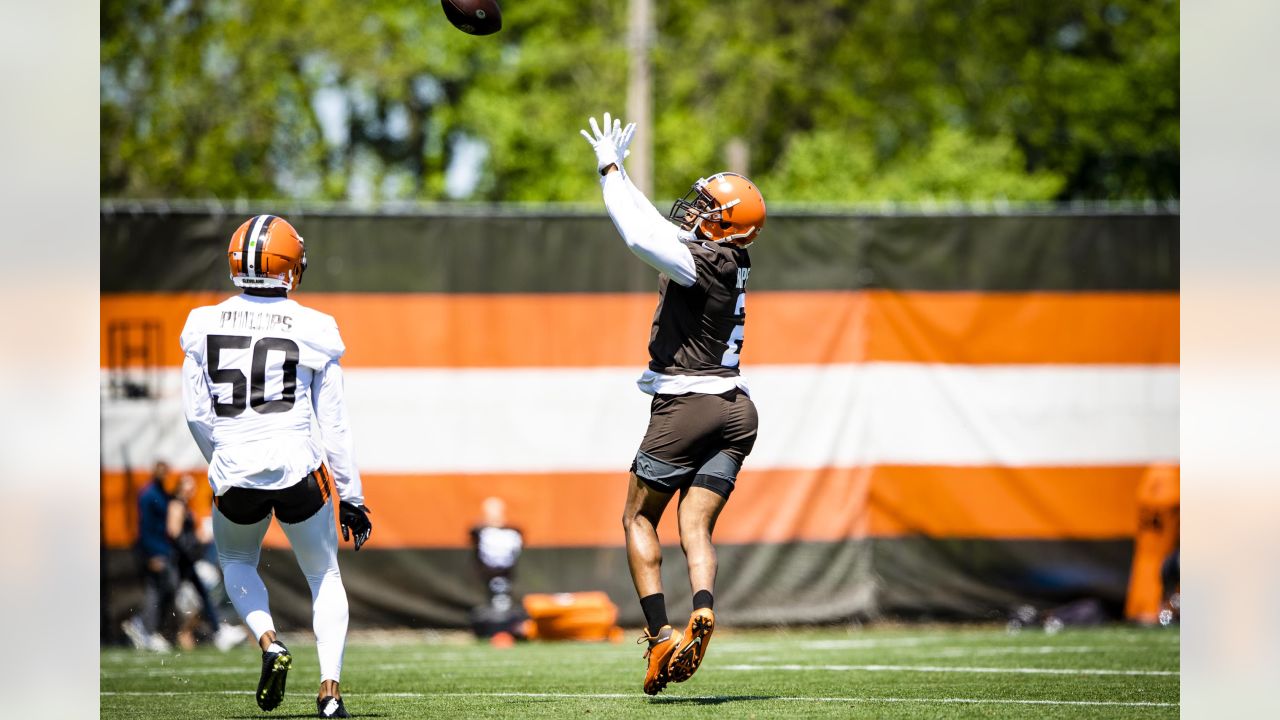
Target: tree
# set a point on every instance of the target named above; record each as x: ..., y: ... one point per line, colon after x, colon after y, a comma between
x: 231, y: 98
x: 836, y: 100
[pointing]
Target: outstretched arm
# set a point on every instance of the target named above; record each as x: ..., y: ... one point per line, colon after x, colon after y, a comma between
x: 623, y: 138
x: 646, y: 232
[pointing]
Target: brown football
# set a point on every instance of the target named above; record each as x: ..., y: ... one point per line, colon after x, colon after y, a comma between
x: 475, y: 17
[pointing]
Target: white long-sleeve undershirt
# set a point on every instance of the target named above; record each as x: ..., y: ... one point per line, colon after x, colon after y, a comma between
x: 197, y: 405
x: 327, y: 399
x: 646, y: 232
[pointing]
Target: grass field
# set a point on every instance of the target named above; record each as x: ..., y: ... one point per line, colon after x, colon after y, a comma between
x: 899, y: 672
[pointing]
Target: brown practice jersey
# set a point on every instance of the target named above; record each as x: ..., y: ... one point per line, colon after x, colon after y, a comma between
x: 698, y: 330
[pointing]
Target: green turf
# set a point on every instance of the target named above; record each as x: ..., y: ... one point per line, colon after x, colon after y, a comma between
x: 927, y: 672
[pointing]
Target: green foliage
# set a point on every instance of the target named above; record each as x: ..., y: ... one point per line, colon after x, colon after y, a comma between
x: 223, y: 98
x: 836, y: 100
x: 954, y: 166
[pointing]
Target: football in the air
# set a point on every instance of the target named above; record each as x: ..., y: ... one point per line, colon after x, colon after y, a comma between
x: 475, y: 17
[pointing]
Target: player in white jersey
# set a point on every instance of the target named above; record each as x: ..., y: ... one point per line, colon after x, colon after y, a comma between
x: 259, y: 370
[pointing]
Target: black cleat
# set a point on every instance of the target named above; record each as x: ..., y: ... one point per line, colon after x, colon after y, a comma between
x: 330, y: 707
x: 275, y: 670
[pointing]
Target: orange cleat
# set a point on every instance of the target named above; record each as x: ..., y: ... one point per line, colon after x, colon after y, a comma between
x: 693, y: 646
x: 659, y: 654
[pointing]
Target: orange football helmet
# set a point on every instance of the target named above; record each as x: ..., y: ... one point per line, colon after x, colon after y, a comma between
x: 267, y: 252
x: 725, y: 206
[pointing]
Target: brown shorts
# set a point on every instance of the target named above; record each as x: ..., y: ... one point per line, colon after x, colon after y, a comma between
x: 696, y: 440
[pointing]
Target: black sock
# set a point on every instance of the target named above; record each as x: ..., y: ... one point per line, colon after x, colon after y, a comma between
x: 655, y: 612
x: 702, y: 599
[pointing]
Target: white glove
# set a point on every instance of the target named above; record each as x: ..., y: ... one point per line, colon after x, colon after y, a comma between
x: 611, y: 143
x: 623, y: 137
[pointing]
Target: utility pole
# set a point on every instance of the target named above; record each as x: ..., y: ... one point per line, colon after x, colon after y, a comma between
x: 640, y: 34
x: 737, y: 156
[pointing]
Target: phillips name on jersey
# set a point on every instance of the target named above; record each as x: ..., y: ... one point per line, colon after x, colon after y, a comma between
x: 263, y: 321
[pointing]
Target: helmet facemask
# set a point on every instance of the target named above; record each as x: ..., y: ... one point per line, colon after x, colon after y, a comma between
x: 698, y: 210
x: 725, y: 207
x: 302, y: 265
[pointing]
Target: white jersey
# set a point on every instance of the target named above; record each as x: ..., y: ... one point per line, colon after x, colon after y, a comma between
x: 257, y: 372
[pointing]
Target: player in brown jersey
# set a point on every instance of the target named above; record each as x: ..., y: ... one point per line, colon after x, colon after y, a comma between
x: 702, y: 422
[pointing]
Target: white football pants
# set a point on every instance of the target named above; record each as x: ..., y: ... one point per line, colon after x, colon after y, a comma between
x: 315, y: 545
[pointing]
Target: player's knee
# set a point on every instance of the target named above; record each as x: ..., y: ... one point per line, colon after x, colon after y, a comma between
x: 694, y: 536
x: 632, y: 519
x: 324, y: 574
x: 228, y: 557
x: 334, y: 603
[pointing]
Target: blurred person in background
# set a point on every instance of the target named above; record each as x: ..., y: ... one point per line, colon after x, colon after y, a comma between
x: 155, y: 555
x: 259, y: 370
x: 702, y: 422
x: 497, y: 548
x: 196, y: 576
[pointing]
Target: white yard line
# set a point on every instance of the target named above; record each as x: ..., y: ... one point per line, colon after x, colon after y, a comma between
x: 740, y: 667
x: 842, y: 644
x: 969, y: 652
x: 161, y: 665
x: 178, y: 672
x: 853, y: 643
x: 916, y: 649
x: 947, y: 669
x: 685, y: 698
x: 249, y: 671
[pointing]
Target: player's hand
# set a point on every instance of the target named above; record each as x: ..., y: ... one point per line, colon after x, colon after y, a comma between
x: 623, y: 136
x: 354, y: 520
x: 605, y: 142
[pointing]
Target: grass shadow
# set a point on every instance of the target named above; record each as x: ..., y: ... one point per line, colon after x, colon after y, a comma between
x: 708, y: 699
